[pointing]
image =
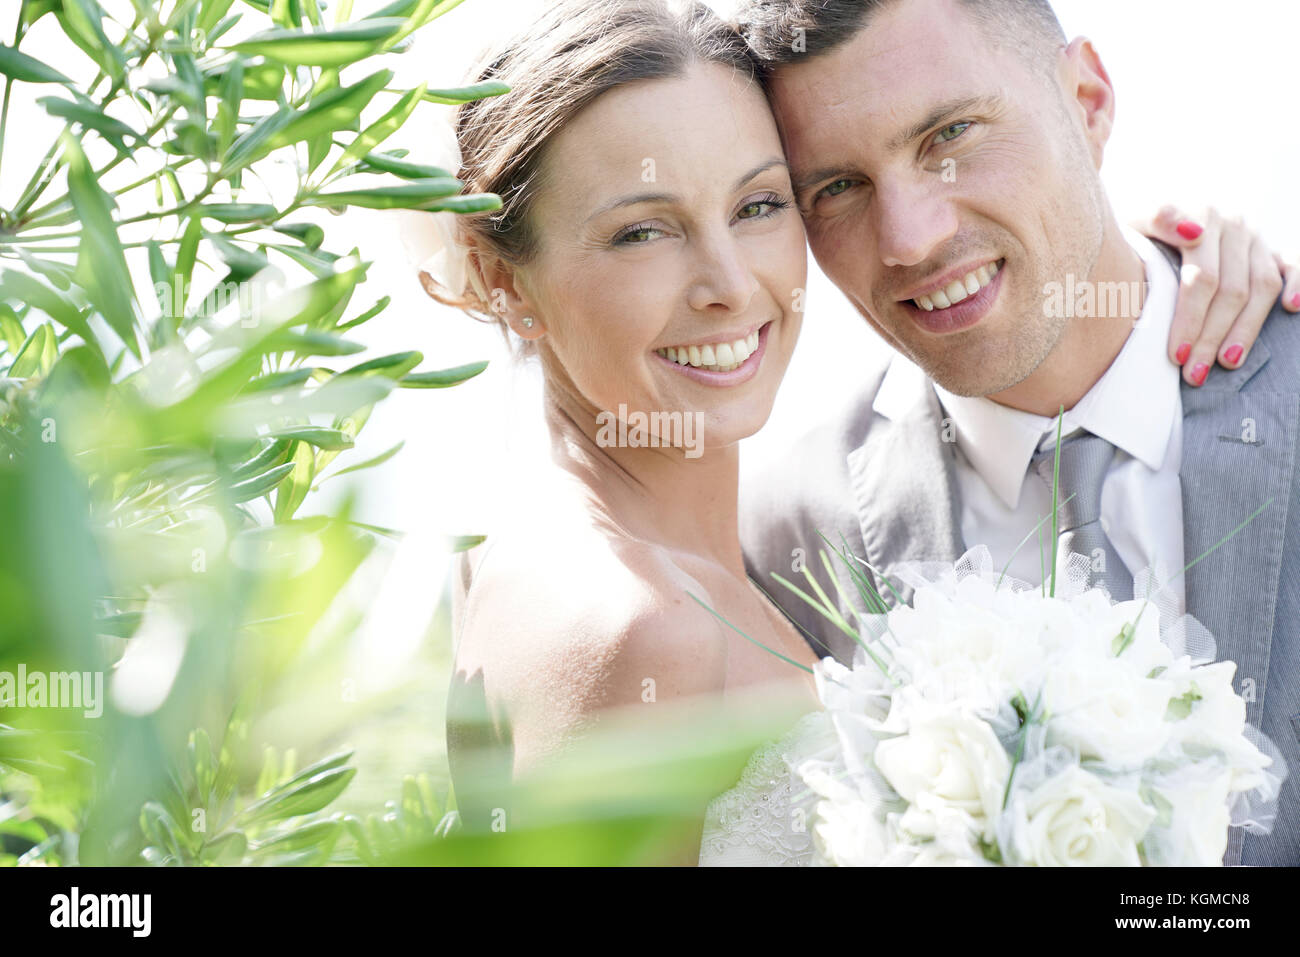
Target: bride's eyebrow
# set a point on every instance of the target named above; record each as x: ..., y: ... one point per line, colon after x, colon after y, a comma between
x: 636, y: 198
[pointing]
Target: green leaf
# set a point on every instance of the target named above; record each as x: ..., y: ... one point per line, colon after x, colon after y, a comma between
x: 82, y: 22
x: 465, y: 94
x: 238, y: 212
x: 260, y: 485
x: 115, y: 131
x: 318, y: 436
x: 232, y: 92
x: 20, y: 66
x: 269, y: 457
x: 416, y: 194
x: 101, y: 264
x: 313, y: 344
x: 11, y: 329
x: 30, y: 290
x: 380, y: 305
x: 379, y: 459
x: 185, y: 258
x: 211, y: 14
x: 306, y: 798
x: 1180, y: 707
x: 334, y: 46
x: 442, y: 378
x: 473, y: 203
x: 31, y: 354
x: 1123, y: 639
x: 310, y: 234
x: 334, y: 110
x: 394, y: 366
x: 388, y: 163
x: 381, y: 129
x: 295, y: 485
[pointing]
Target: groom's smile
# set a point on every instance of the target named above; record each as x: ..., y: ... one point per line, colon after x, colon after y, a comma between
x: 957, y: 300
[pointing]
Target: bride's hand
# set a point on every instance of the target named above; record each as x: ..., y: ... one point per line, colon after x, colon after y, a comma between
x: 1230, y: 282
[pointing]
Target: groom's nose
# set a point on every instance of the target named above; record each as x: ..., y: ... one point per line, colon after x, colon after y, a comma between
x: 913, y: 220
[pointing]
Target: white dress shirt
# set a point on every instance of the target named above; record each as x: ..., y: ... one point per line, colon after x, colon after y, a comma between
x: 1135, y: 405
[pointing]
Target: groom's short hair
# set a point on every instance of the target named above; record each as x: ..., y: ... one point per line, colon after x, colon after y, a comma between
x: 790, y: 31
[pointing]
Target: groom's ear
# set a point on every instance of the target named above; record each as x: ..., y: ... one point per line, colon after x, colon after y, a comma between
x: 507, y: 296
x: 1087, y: 85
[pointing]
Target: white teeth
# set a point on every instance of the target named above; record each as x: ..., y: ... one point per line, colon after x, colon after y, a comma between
x: 718, y: 357
x: 958, y: 290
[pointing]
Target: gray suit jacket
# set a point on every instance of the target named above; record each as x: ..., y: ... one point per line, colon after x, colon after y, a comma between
x: 889, y: 489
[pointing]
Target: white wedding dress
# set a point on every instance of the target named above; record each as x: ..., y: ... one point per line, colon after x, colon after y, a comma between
x: 764, y: 820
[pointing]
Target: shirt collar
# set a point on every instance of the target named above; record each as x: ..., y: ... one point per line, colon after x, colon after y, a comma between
x: 999, y: 442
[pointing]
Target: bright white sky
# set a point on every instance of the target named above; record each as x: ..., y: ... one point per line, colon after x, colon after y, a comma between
x: 1203, y: 115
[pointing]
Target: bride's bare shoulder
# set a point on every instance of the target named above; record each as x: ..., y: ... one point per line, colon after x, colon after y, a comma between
x: 581, y: 619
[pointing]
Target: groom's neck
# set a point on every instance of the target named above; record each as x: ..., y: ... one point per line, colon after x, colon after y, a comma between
x: 1091, y: 340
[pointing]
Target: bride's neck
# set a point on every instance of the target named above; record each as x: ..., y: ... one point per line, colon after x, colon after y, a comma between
x: 652, y: 494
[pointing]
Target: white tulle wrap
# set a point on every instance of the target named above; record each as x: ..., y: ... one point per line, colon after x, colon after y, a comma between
x: 1136, y: 751
x: 433, y: 241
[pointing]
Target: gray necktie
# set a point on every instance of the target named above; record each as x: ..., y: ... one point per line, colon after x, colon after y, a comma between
x: 1085, y: 459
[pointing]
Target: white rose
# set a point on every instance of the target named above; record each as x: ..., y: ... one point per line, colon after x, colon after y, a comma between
x: 1105, y: 710
x: 947, y: 759
x: 1197, y: 835
x: 1074, y: 819
x: 847, y: 834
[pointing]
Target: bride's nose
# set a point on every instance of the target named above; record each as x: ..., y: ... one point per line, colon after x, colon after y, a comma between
x: 722, y: 276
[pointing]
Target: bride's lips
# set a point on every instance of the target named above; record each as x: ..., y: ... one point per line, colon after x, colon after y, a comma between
x: 964, y: 314
x: 741, y: 374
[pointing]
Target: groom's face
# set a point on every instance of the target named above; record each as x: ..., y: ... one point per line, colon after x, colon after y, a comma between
x: 944, y: 182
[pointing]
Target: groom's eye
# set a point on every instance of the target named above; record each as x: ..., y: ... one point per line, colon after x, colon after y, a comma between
x: 950, y: 133
x: 837, y: 187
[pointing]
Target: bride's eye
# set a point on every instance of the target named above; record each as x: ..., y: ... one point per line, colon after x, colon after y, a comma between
x: 950, y: 133
x: 765, y: 206
x: 636, y: 235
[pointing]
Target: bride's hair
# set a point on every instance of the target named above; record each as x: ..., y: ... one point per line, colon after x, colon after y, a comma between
x: 574, y: 52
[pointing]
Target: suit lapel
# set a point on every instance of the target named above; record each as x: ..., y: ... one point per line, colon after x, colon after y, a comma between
x: 905, y: 490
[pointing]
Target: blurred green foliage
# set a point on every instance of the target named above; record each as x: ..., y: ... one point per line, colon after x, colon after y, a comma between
x: 155, y: 456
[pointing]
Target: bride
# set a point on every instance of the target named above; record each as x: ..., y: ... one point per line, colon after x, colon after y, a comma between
x: 650, y: 255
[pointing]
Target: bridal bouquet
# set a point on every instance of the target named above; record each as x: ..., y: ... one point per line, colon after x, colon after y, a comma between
x: 991, y: 723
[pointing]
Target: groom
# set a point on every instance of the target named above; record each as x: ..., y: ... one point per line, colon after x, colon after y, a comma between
x: 945, y: 155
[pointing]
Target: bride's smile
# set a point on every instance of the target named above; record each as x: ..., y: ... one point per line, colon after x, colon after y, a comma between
x: 728, y: 360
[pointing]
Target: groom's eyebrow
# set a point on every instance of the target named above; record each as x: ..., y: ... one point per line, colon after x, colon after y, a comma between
x: 668, y: 197
x: 952, y: 108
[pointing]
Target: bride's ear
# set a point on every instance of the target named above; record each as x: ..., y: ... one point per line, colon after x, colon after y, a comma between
x: 503, y: 292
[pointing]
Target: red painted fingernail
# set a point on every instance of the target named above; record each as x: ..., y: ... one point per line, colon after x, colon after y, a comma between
x: 1184, y: 351
x: 1199, y: 373
x: 1189, y: 230
x: 1233, y: 355
x: 1295, y: 301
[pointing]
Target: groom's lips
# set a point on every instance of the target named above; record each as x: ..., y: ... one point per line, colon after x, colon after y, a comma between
x: 963, y: 315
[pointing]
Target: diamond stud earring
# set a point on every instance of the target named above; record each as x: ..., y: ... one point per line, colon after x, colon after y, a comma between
x: 527, y: 321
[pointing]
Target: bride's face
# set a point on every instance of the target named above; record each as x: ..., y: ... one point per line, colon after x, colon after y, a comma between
x: 666, y: 222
